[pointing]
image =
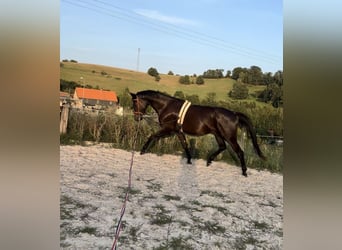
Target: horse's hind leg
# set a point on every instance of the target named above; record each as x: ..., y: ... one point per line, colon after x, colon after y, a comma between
x: 182, y: 140
x: 236, y: 147
x: 222, y: 147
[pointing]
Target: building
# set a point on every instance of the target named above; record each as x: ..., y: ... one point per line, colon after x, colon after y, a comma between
x: 64, y: 97
x: 95, y: 98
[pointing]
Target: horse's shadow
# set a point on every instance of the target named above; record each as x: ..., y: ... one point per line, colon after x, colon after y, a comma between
x: 187, y: 180
x: 196, y: 154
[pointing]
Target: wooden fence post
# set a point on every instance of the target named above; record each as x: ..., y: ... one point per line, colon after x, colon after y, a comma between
x: 63, y: 124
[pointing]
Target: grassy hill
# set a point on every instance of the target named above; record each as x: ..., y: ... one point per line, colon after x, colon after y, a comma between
x: 117, y: 79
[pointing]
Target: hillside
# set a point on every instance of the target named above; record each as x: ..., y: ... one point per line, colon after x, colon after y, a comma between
x: 117, y: 79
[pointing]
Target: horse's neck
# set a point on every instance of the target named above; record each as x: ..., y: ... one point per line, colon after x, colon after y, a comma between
x: 158, y: 104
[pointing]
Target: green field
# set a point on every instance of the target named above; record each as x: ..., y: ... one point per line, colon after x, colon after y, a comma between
x: 117, y: 79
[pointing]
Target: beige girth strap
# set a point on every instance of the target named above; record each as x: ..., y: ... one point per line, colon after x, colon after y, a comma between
x: 183, y: 111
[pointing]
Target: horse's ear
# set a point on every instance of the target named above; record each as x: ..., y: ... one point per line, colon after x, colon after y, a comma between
x: 134, y: 96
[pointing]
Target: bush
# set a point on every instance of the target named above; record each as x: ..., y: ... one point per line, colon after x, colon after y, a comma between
x: 273, y: 93
x: 179, y: 94
x: 122, y: 131
x: 239, y: 91
x: 184, y: 79
x: 199, y: 80
x: 68, y: 86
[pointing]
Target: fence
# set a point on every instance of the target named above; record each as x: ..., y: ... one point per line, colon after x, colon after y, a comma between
x: 64, y: 115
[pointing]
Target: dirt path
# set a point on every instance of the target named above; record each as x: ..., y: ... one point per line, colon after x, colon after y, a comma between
x: 172, y: 205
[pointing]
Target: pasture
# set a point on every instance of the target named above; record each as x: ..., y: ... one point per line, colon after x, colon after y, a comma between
x: 117, y: 79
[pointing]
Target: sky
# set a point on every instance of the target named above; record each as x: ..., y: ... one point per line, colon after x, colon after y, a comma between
x: 182, y: 36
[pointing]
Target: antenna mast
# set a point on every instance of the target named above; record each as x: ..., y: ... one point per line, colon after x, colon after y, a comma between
x: 138, y: 59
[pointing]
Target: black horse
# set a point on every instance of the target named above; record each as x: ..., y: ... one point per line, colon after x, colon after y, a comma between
x: 198, y: 121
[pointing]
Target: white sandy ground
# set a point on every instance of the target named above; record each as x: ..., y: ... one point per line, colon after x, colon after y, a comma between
x: 172, y: 205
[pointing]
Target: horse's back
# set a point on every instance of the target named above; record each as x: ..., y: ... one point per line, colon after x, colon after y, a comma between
x: 199, y: 120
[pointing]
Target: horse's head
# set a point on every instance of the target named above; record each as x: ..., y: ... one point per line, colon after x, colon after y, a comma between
x: 139, y: 106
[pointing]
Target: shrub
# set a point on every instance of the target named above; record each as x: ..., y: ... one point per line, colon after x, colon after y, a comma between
x: 184, y: 79
x: 239, y: 91
x: 199, y: 80
x: 179, y: 94
x: 122, y: 131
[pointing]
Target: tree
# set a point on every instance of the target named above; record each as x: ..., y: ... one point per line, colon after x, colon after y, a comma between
x: 199, y: 80
x: 242, y: 77
x: 228, y: 74
x: 153, y: 72
x: 170, y: 73
x: 213, y: 73
x: 184, y: 79
x: 255, y: 75
x: 278, y: 77
x: 125, y: 98
x: 239, y: 91
x: 237, y: 71
x: 273, y: 93
x: 68, y: 86
x: 268, y: 78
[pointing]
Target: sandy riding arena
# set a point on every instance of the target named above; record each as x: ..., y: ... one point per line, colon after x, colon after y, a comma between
x: 172, y: 205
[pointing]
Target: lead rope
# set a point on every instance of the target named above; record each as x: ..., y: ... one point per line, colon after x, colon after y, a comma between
x: 123, y: 208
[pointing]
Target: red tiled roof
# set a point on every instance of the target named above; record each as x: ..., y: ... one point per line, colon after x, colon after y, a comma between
x: 104, y: 95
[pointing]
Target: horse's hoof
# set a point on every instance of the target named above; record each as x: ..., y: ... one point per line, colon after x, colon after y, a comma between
x: 208, y: 164
x: 244, y: 174
x: 142, y: 152
x: 189, y: 162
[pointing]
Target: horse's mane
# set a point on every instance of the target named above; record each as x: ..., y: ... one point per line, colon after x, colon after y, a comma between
x: 154, y: 93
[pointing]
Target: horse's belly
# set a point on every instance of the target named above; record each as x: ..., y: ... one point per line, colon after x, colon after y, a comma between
x: 195, y: 130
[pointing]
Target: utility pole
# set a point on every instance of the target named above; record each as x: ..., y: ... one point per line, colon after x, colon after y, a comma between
x: 138, y: 59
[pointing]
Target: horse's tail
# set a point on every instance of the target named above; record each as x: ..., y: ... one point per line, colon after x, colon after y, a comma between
x: 247, y: 123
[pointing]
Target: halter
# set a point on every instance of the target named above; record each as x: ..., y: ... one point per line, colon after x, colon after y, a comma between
x: 137, y: 112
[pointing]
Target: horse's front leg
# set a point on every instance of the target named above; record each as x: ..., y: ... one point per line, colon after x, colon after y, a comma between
x: 153, y: 138
x: 182, y: 140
